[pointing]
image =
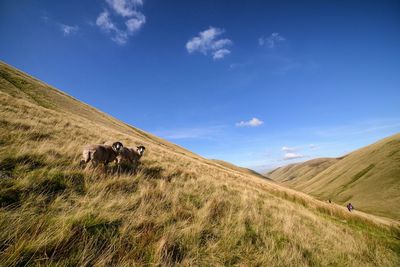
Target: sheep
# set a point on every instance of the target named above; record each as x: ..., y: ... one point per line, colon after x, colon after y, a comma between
x: 101, y: 153
x: 130, y: 157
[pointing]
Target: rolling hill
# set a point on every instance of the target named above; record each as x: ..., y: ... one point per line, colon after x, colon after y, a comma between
x: 369, y: 178
x: 179, y: 209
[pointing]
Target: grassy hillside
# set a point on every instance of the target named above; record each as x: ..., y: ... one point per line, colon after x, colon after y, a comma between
x: 369, y: 178
x: 179, y: 209
x: 298, y: 173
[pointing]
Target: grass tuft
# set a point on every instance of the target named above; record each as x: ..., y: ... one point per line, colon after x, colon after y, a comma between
x: 28, y: 162
x: 171, y: 251
x: 9, y: 197
x: 96, y: 227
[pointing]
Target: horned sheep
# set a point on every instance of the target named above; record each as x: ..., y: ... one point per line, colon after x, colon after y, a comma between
x: 130, y: 156
x: 104, y: 154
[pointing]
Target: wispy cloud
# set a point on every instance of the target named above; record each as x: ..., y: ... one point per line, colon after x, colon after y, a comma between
x: 127, y: 11
x: 307, y: 143
x: 65, y: 29
x: 68, y: 30
x: 272, y: 40
x: 44, y: 18
x: 313, y: 147
x: 221, y: 53
x: 104, y: 22
x: 125, y: 8
x: 292, y: 155
x: 207, y: 42
x: 289, y: 149
x: 292, y: 152
x: 254, y: 122
x: 360, y: 128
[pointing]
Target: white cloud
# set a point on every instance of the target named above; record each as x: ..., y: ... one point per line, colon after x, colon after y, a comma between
x: 313, y: 147
x: 272, y: 40
x: 126, y: 10
x: 134, y: 24
x: 120, y: 37
x: 290, y: 152
x: 292, y: 155
x: 104, y: 22
x: 207, y: 41
x: 221, y: 44
x: 68, y: 30
x: 254, y: 122
x: 221, y: 53
x: 289, y: 149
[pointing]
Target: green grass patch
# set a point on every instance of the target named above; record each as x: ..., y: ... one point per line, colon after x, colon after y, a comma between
x: 251, y: 235
x: 32, y: 90
x: 101, y: 230
x: 27, y: 162
x: 387, y: 235
x: 355, y: 178
x: 38, y: 136
x: 5, y: 124
x: 126, y: 186
x: 361, y: 174
x: 56, y: 183
x: 191, y: 198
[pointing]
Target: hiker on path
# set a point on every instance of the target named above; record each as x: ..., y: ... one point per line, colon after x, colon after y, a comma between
x: 350, y: 207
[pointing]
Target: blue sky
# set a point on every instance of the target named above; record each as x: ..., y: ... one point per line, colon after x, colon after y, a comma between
x: 256, y: 83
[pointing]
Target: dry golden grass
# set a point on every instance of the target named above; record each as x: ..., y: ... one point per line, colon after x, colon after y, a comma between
x: 180, y: 209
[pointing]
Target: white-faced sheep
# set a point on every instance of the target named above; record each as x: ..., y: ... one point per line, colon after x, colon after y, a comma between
x: 104, y: 154
x: 130, y: 157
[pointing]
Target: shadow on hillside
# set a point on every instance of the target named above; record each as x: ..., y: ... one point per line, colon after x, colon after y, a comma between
x: 150, y: 172
x: 154, y: 172
x: 29, y: 162
x: 144, y: 170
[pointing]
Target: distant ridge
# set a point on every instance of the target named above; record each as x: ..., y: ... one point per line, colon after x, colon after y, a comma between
x: 368, y: 177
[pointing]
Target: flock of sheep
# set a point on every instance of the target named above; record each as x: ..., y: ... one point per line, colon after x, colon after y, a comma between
x: 112, y: 151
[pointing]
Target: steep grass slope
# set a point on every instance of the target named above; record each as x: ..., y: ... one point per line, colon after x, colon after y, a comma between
x: 299, y: 173
x: 179, y: 209
x: 369, y: 178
